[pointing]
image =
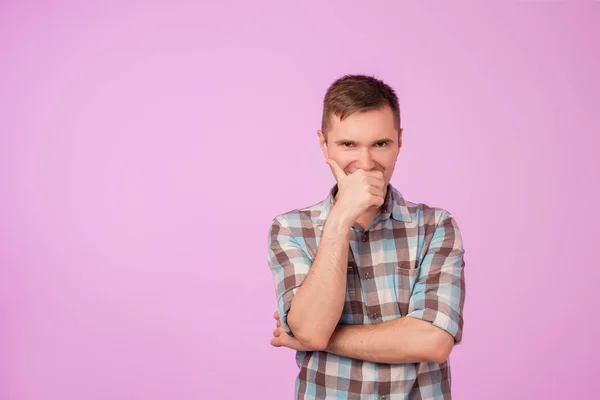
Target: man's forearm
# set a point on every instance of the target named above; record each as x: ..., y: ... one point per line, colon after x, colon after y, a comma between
x: 318, y: 304
x: 404, y: 340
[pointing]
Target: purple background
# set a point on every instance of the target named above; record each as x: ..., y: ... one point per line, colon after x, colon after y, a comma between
x: 146, y: 146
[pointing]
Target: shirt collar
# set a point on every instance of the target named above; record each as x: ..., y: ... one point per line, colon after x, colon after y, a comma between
x: 394, y: 206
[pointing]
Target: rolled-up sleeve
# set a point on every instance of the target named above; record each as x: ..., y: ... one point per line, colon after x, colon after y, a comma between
x: 439, y: 292
x: 289, y: 264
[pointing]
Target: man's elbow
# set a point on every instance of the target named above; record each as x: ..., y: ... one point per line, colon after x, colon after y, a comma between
x: 310, y: 339
x: 308, y: 336
x: 313, y: 343
x: 443, y: 344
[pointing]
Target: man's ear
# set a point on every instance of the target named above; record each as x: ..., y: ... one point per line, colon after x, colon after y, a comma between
x: 399, y: 138
x: 323, y: 143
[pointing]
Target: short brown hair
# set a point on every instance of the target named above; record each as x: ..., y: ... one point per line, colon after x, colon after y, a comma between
x: 357, y: 93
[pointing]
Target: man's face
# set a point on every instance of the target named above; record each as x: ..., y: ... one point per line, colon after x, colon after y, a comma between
x: 365, y: 140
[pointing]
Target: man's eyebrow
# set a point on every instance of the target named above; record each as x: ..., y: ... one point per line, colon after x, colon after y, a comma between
x: 383, y: 140
x: 344, y: 141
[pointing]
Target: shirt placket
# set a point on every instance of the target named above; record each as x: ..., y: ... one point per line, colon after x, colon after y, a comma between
x: 365, y: 273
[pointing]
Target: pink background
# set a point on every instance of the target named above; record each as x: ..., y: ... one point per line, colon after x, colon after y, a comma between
x: 146, y: 146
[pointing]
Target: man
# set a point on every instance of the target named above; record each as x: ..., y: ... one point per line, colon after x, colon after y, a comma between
x: 370, y: 287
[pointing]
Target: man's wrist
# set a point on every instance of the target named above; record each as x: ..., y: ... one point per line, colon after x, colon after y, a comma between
x: 339, y: 221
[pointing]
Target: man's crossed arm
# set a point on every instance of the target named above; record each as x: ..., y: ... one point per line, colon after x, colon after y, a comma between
x: 404, y: 340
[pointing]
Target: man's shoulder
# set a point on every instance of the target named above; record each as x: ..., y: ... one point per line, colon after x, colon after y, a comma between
x: 304, y: 217
x: 427, y: 214
x: 434, y: 222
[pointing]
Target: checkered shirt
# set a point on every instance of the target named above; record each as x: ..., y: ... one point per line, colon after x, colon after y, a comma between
x: 408, y: 262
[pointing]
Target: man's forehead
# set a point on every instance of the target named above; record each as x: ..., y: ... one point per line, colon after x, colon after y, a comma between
x: 362, y: 133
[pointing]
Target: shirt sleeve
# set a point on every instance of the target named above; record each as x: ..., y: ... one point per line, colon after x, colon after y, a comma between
x: 289, y: 264
x: 439, y: 292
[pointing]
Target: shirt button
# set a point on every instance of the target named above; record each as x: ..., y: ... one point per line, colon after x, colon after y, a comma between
x: 364, y: 237
x: 375, y: 316
x: 367, y: 275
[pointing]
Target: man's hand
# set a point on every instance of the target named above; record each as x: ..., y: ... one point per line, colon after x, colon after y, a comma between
x: 282, y: 339
x: 358, y: 191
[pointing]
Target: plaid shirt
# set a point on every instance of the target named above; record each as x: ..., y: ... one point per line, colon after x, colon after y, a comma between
x: 408, y: 262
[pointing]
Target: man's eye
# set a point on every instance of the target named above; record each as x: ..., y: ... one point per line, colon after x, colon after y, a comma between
x: 381, y: 144
x: 346, y: 144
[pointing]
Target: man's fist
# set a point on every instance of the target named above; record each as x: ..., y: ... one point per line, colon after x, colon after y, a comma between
x: 358, y: 191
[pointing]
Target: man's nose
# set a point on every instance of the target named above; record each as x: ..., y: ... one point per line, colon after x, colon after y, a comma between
x: 365, y: 160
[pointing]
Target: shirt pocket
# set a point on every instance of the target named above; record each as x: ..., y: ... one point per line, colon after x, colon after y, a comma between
x: 406, y: 276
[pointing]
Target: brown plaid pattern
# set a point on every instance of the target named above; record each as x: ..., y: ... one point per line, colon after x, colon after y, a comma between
x: 408, y: 262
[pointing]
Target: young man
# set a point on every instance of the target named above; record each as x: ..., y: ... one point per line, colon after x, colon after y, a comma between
x: 370, y: 287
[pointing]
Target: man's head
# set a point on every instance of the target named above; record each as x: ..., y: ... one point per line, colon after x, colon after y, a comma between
x: 360, y: 128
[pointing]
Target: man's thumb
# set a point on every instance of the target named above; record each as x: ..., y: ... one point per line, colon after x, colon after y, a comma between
x: 335, y: 168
